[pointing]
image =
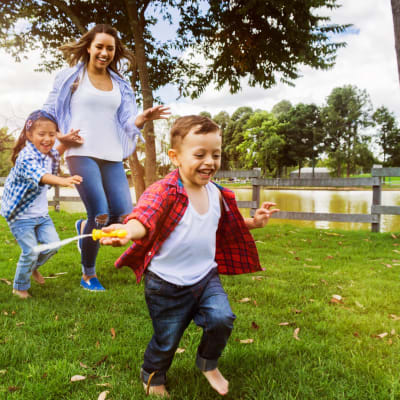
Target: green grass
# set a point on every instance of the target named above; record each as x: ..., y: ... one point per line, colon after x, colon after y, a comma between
x: 64, y: 331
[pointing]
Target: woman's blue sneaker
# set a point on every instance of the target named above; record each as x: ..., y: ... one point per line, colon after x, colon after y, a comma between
x: 78, y: 226
x: 92, y: 284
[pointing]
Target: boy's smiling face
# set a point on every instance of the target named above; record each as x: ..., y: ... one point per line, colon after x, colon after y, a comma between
x: 198, y: 157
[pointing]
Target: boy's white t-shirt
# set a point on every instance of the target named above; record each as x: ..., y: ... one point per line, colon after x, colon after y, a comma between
x: 40, y: 206
x: 188, y: 254
x: 94, y: 112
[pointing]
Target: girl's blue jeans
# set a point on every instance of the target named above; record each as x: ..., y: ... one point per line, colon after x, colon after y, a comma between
x: 28, y: 233
x: 171, y: 309
x: 107, y: 199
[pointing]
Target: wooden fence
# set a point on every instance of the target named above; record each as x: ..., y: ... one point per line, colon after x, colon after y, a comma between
x: 377, y: 209
x: 254, y: 177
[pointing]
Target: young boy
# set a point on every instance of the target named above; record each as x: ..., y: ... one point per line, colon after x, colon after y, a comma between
x: 186, y: 230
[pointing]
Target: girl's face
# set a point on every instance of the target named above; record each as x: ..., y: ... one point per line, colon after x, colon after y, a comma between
x: 101, y: 51
x: 43, y: 135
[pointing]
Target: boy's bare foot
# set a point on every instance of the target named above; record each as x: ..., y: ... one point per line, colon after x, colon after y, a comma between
x: 217, y: 381
x: 159, y: 390
x: 38, y: 277
x: 22, y: 294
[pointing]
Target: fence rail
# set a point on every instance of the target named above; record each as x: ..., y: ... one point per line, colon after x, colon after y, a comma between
x: 374, y: 218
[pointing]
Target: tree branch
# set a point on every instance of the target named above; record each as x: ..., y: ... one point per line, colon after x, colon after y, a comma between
x: 62, y: 6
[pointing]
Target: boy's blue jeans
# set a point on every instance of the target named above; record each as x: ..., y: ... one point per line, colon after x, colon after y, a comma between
x: 171, y: 309
x: 106, y: 196
x: 28, y: 233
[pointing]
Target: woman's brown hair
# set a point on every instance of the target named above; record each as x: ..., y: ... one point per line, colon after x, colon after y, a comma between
x: 77, y: 51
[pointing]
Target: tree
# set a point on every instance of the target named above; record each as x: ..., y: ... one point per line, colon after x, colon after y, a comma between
x: 396, y: 24
x: 223, y: 119
x: 235, y: 39
x: 388, y: 135
x: 346, y: 112
x: 6, y: 145
x: 261, y: 146
x: 281, y: 108
x: 302, y: 130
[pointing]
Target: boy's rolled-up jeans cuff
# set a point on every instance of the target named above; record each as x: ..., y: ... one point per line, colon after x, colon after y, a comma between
x: 205, y: 365
x: 159, y: 378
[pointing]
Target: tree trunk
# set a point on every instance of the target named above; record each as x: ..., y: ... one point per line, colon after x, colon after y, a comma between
x: 137, y: 27
x: 396, y: 23
x: 137, y: 172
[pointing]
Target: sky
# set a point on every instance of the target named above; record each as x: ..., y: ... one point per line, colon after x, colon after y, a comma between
x: 368, y: 62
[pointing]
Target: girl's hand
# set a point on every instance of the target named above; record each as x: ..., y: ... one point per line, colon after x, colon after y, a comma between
x: 71, y: 139
x: 70, y: 181
x: 263, y: 214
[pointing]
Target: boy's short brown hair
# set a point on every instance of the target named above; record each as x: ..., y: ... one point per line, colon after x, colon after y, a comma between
x: 183, y: 125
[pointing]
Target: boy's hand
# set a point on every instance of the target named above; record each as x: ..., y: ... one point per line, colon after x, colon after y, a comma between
x: 70, y: 181
x: 263, y: 214
x: 115, y: 241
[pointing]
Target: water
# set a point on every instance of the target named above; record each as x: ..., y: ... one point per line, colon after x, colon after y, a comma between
x: 332, y: 201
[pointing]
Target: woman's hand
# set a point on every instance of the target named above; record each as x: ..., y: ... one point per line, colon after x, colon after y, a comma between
x: 151, y: 114
x: 70, y: 139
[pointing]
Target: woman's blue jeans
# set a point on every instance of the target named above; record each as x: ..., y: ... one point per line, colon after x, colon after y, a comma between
x: 107, y: 199
x: 172, y: 308
x: 28, y: 233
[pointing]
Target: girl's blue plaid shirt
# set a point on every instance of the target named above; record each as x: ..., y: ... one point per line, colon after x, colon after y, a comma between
x: 22, y: 185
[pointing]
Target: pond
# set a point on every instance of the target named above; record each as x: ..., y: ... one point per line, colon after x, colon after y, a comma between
x: 324, y: 201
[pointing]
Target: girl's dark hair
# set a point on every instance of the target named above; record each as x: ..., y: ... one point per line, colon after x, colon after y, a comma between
x: 76, y: 51
x: 22, y: 138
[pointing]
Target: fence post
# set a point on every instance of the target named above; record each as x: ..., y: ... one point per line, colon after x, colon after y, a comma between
x: 376, y: 201
x: 56, y: 198
x: 255, y: 197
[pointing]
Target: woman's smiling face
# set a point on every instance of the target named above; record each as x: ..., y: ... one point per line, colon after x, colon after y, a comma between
x: 101, y: 51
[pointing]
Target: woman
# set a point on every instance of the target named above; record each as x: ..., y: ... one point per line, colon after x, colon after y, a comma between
x: 92, y: 96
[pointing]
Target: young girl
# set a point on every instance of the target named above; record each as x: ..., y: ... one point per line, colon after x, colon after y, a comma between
x: 24, y: 202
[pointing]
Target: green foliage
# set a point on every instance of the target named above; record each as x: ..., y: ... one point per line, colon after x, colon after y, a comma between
x: 6, y: 145
x: 261, y: 146
x: 282, y: 107
x: 236, y: 39
x: 64, y: 331
x: 388, y: 136
x: 347, y: 111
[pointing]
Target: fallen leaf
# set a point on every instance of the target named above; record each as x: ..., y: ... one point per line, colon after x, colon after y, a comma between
x: 395, y: 317
x: 359, y: 305
x: 335, y: 301
x: 381, y: 335
x: 20, y: 323
x: 390, y: 341
x: 396, y: 244
x: 112, y: 333
x: 324, y: 281
x: 254, y: 325
x: 103, y: 395
x: 356, y: 334
x: 297, y: 258
x: 312, y: 266
x: 311, y: 300
x: 296, y: 333
x: 179, y: 350
x: 255, y: 302
x: 387, y: 265
x: 56, y: 317
x: 60, y: 273
x: 394, y: 236
x: 329, y: 257
x: 104, y: 384
x: 77, y: 378
x: 244, y: 300
x: 337, y: 297
x: 396, y: 251
x: 5, y: 312
x: 101, y: 361
x: 332, y: 234
x: 259, y: 241
x: 5, y: 281
x: 3, y: 371
x: 257, y: 278
x: 13, y: 388
x: 246, y: 341
x: 308, y: 259
x: 393, y: 332
x: 284, y: 324
x: 83, y: 365
x: 296, y: 311
x: 44, y: 376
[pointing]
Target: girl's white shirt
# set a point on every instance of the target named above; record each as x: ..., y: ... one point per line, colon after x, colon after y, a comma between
x: 94, y: 112
x: 40, y: 206
x: 188, y: 254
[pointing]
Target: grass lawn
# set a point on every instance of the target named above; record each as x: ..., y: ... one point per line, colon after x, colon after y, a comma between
x: 346, y: 350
